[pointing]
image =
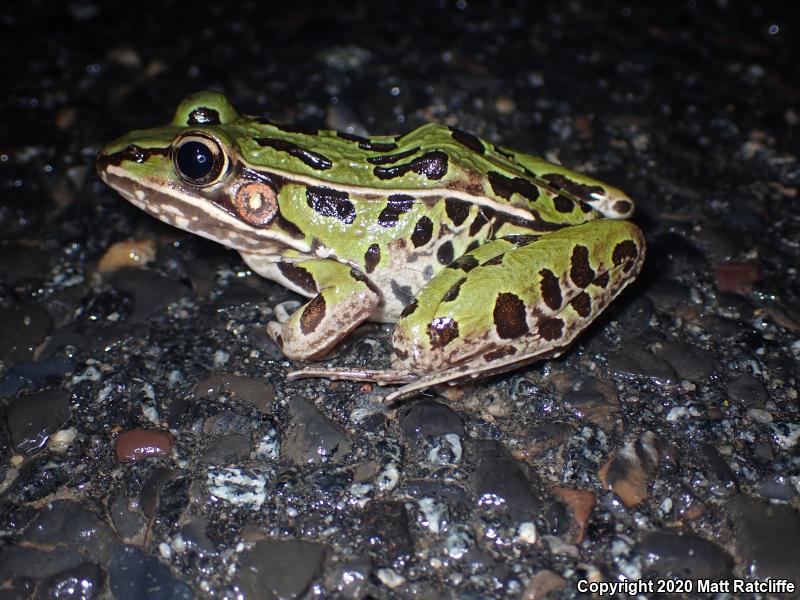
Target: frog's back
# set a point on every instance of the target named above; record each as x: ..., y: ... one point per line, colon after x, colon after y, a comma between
x: 430, y: 159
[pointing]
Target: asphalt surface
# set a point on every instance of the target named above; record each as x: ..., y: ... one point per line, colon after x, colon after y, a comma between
x: 150, y: 446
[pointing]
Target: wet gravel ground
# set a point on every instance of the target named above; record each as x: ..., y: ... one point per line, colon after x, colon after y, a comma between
x: 150, y: 446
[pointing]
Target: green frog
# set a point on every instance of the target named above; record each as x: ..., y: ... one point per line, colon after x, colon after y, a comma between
x: 485, y: 258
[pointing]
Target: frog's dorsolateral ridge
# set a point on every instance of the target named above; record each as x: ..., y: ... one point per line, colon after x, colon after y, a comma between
x: 485, y: 258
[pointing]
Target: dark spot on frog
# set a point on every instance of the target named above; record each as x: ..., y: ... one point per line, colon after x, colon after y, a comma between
x: 387, y: 159
x: 581, y: 271
x: 503, y: 152
x: 307, y: 157
x: 132, y: 153
x: 431, y: 165
x: 202, y: 115
x: 298, y: 276
x: 367, y: 144
x: 501, y: 352
x: 585, y: 207
x: 581, y: 191
x: 403, y: 293
x: 360, y: 277
x: 509, y: 316
x: 409, y: 309
x: 496, y: 260
x: 623, y: 207
x: 466, y: 263
x: 563, y: 204
x: 550, y: 329
x: 397, y: 204
x: 505, y: 187
x: 469, y: 140
x: 287, y: 226
x: 601, y: 280
x: 442, y: 331
x: 401, y: 354
x: 331, y: 203
x: 312, y: 314
x: 551, y: 290
x: 372, y: 257
x: 427, y: 273
x: 582, y: 304
x: 452, y: 293
x: 445, y: 253
x: 423, y: 231
x: 481, y: 218
x: 522, y: 239
x: 625, y: 252
x: 457, y: 210
x: 473, y: 245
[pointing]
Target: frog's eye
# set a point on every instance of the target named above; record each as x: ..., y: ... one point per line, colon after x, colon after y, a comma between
x: 199, y: 160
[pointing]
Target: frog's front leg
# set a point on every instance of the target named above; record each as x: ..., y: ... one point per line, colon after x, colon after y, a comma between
x: 513, y: 301
x: 344, y: 300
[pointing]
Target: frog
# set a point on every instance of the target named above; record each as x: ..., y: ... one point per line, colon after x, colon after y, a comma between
x: 485, y: 259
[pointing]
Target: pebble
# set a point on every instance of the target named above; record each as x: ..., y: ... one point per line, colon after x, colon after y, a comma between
x: 669, y: 294
x: 245, y: 488
x: 541, y: 438
x: 580, y: 503
x: 349, y: 579
x: 128, y: 253
x: 138, y: 444
x: 279, y: 569
x: 310, y: 436
x: 736, y: 278
x: 689, y: 362
x: 766, y: 538
x: 227, y: 422
x: 151, y: 291
x: 386, y: 528
x: 83, y: 582
x: 682, y: 556
x: 628, y: 471
x: 544, y: 585
x: 24, y: 327
x: 128, y: 522
x: 32, y: 375
x: 228, y: 450
x: 776, y: 486
x: 593, y: 399
x: 134, y: 574
x: 34, y: 417
x: 498, y: 480
x: 428, y: 418
x: 747, y: 391
x: 634, y: 361
x: 252, y: 392
x: 635, y: 319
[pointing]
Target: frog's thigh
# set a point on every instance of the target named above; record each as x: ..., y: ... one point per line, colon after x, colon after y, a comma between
x: 344, y: 300
x: 512, y: 300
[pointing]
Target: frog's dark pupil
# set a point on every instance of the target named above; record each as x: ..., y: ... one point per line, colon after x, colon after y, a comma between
x: 195, y: 160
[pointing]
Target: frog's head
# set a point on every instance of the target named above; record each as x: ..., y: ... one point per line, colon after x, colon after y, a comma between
x: 189, y: 174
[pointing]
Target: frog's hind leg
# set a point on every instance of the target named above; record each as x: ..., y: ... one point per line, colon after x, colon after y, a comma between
x: 609, y: 201
x: 513, y: 301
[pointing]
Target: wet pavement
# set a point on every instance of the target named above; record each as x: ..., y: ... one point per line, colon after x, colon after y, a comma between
x: 150, y: 445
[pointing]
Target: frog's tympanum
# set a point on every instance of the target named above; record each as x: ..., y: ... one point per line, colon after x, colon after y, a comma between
x: 486, y: 259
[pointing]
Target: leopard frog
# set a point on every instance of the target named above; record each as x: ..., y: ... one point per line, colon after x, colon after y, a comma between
x: 486, y: 259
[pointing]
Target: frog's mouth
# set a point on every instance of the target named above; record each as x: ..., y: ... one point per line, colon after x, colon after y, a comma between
x: 178, y: 205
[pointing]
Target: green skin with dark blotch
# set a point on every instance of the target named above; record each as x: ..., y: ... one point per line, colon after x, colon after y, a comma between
x: 485, y: 258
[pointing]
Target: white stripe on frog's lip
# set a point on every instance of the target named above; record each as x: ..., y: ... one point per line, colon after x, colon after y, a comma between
x: 199, y: 216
